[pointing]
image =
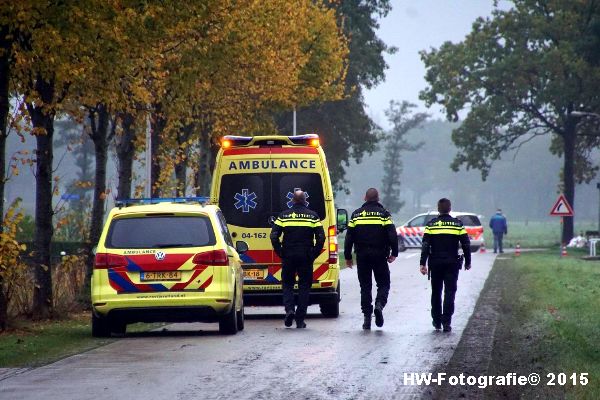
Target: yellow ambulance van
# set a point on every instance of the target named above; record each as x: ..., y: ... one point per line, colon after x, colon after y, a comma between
x: 254, y: 180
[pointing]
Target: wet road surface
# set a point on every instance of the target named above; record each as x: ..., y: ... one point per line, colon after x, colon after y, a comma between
x: 331, y: 359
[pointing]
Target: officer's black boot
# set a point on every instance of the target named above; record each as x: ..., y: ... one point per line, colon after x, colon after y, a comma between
x: 300, y: 324
x: 446, y: 325
x: 289, y: 318
x: 378, y: 315
x: 437, y: 325
x: 367, y: 322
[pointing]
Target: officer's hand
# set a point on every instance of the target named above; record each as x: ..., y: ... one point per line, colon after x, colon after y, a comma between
x: 423, y: 270
x: 349, y: 263
x: 391, y: 259
x: 468, y: 267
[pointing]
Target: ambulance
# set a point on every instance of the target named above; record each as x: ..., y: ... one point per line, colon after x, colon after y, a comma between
x: 253, y: 181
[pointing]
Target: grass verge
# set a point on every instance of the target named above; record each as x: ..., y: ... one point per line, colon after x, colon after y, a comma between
x: 548, y: 324
x: 537, y: 313
x: 32, y: 344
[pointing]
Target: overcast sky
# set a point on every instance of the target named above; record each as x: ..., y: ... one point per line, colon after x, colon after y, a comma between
x: 412, y: 26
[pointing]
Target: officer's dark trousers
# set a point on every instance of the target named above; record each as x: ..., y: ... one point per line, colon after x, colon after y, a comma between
x: 369, y: 265
x: 443, y: 276
x: 297, y: 261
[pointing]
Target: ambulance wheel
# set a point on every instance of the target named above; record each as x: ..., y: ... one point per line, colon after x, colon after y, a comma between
x: 228, y: 323
x: 331, y: 309
x: 474, y: 249
x: 100, y: 326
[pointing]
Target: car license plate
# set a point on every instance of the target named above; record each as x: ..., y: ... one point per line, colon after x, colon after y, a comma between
x: 160, y: 276
x: 254, y: 274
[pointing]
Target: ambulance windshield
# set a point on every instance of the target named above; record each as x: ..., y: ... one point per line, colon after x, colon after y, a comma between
x: 249, y: 200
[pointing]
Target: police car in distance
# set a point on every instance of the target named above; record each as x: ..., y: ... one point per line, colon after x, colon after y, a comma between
x: 411, y: 233
x: 169, y: 260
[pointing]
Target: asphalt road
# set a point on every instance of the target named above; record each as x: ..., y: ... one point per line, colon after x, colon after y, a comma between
x: 331, y: 359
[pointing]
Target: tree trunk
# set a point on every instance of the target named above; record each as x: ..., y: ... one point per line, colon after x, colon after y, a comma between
x: 99, y: 119
x: 158, y: 123
x: 569, y: 139
x: 182, y: 159
x: 4, y: 109
x: 42, y: 118
x: 125, y: 152
x: 203, y: 178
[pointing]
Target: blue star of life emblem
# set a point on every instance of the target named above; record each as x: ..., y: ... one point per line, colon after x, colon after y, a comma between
x: 245, y: 200
x: 290, y: 196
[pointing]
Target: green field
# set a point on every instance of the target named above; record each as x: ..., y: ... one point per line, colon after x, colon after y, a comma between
x: 535, y: 234
x: 549, y: 322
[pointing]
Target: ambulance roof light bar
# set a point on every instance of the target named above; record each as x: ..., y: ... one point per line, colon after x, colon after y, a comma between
x: 236, y: 141
x: 155, y: 200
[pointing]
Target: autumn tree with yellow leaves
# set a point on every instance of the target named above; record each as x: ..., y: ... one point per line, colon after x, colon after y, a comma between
x: 198, y: 69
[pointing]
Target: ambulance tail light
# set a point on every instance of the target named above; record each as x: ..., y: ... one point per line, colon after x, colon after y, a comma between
x: 107, y: 260
x: 333, y: 245
x: 213, y: 257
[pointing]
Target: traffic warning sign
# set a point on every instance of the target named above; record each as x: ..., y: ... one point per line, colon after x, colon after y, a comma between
x: 561, y: 207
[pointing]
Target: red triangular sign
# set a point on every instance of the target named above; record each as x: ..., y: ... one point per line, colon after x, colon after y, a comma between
x: 562, y: 208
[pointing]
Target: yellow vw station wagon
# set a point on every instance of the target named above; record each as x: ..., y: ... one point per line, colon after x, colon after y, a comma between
x: 166, y: 260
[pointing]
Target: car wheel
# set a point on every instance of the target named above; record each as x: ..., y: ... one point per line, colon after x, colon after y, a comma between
x: 228, y: 322
x: 331, y: 309
x: 118, y: 328
x: 401, y: 245
x: 474, y: 249
x: 240, y: 318
x: 100, y: 326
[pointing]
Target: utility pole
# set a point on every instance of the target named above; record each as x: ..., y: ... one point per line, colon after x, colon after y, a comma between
x: 294, y: 129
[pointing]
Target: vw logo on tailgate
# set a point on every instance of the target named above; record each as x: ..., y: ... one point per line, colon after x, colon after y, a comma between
x: 160, y: 255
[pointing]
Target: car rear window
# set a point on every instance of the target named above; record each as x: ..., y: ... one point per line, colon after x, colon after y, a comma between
x: 469, y: 220
x: 250, y: 200
x: 152, y: 232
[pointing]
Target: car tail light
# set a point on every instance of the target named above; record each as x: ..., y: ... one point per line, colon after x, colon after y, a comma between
x: 333, y: 245
x: 213, y: 257
x: 107, y: 260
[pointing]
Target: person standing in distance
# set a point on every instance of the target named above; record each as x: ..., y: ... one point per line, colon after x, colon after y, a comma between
x: 441, y: 239
x: 372, y: 233
x: 303, y: 239
x: 499, y: 228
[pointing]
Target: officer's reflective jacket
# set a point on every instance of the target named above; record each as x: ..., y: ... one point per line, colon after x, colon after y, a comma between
x: 441, y: 239
x: 371, y: 230
x: 301, y: 228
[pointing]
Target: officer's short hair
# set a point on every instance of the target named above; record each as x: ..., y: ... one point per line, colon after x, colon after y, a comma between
x: 444, y: 206
x: 299, y: 197
x: 372, y: 195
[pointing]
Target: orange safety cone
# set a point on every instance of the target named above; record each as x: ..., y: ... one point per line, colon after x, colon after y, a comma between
x: 563, y: 252
x: 482, y: 248
x: 518, y: 250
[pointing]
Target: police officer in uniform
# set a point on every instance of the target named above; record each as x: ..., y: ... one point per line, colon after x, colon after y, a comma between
x: 372, y: 233
x: 303, y: 239
x: 441, y: 240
